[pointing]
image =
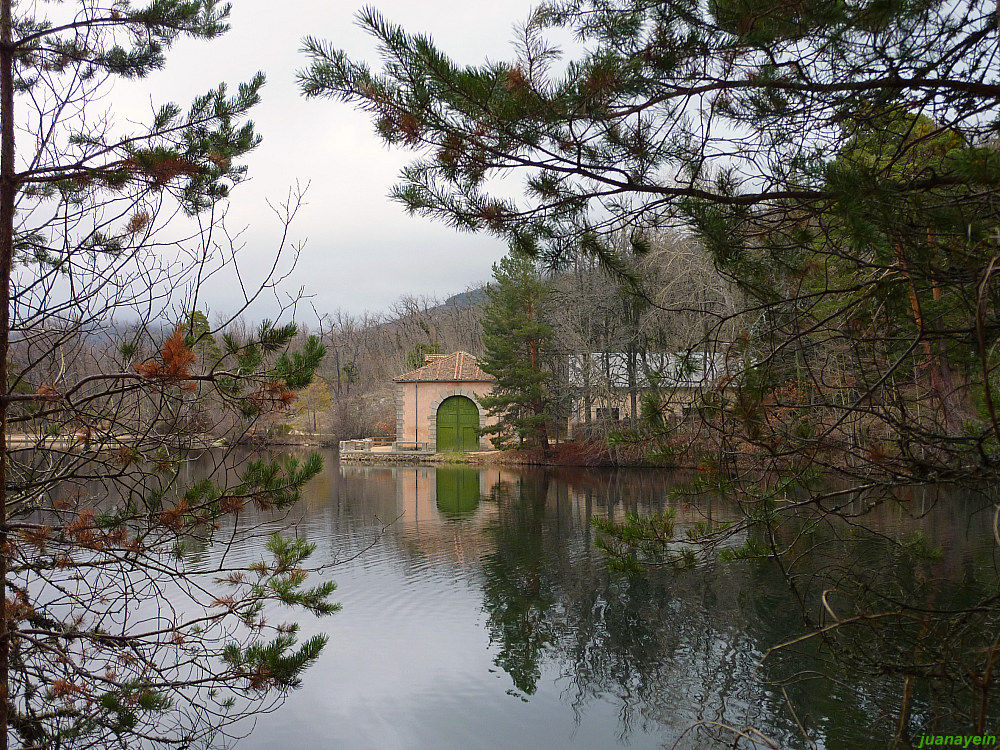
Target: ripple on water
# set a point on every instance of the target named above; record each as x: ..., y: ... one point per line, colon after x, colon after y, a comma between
x: 500, y: 627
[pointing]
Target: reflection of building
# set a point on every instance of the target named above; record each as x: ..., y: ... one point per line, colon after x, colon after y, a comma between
x: 442, y: 493
x: 604, y: 382
x: 437, y: 405
x: 457, y: 491
x: 445, y: 511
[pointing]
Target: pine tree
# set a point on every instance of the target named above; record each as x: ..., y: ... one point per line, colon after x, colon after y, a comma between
x: 839, y: 162
x: 516, y: 340
x: 417, y: 356
x: 738, y: 122
x: 199, y: 337
x: 111, y: 634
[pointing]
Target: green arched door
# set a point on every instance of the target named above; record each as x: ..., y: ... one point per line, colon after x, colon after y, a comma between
x: 457, y: 424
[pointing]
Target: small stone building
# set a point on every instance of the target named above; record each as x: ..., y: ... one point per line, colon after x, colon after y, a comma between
x: 437, y: 405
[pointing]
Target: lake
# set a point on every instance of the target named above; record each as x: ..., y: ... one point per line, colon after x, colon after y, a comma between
x: 479, y: 613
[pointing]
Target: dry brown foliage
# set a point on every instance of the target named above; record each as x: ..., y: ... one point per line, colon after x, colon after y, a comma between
x: 174, y: 363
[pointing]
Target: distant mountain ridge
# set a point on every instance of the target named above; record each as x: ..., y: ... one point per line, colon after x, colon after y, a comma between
x: 467, y: 299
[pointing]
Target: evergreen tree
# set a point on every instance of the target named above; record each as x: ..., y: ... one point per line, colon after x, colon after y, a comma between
x: 417, y: 356
x: 839, y: 162
x: 111, y: 633
x: 199, y: 337
x: 516, y: 342
x: 739, y: 121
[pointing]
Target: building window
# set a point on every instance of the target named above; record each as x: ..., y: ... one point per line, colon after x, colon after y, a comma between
x: 608, y: 413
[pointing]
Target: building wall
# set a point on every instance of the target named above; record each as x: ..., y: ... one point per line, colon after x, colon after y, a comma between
x: 417, y: 404
x: 675, y: 400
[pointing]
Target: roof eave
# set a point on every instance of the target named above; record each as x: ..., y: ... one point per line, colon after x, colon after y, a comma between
x: 442, y: 380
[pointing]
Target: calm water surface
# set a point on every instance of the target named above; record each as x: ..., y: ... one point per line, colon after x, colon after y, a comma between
x: 478, y: 613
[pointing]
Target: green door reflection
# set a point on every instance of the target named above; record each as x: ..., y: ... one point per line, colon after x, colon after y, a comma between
x: 457, y: 490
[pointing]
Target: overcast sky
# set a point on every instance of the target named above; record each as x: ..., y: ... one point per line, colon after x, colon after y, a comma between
x: 362, y: 250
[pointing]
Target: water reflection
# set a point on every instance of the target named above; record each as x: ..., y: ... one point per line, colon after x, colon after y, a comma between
x: 457, y: 490
x: 484, y: 617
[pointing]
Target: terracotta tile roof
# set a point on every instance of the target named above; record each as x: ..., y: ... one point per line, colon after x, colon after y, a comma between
x: 457, y: 367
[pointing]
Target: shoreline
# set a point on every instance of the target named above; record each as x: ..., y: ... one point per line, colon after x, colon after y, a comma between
x: 490, y: 458
x: 472, y: 458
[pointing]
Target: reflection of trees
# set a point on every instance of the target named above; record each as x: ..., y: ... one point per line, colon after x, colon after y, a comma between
x: 911, y: 617
x: 517, y: 587
x: 675, y: 649
x: 668, y: 651
x: 671, y: 652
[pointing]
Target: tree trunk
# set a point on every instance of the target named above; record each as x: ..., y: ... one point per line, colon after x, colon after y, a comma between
x: 8, y: 192
x: 336, y: 364
x: 938, y: 371
x: 633, y: 385
x: 543, y: 431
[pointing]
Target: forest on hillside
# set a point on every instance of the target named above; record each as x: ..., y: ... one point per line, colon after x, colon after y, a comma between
x: 669, y: 299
